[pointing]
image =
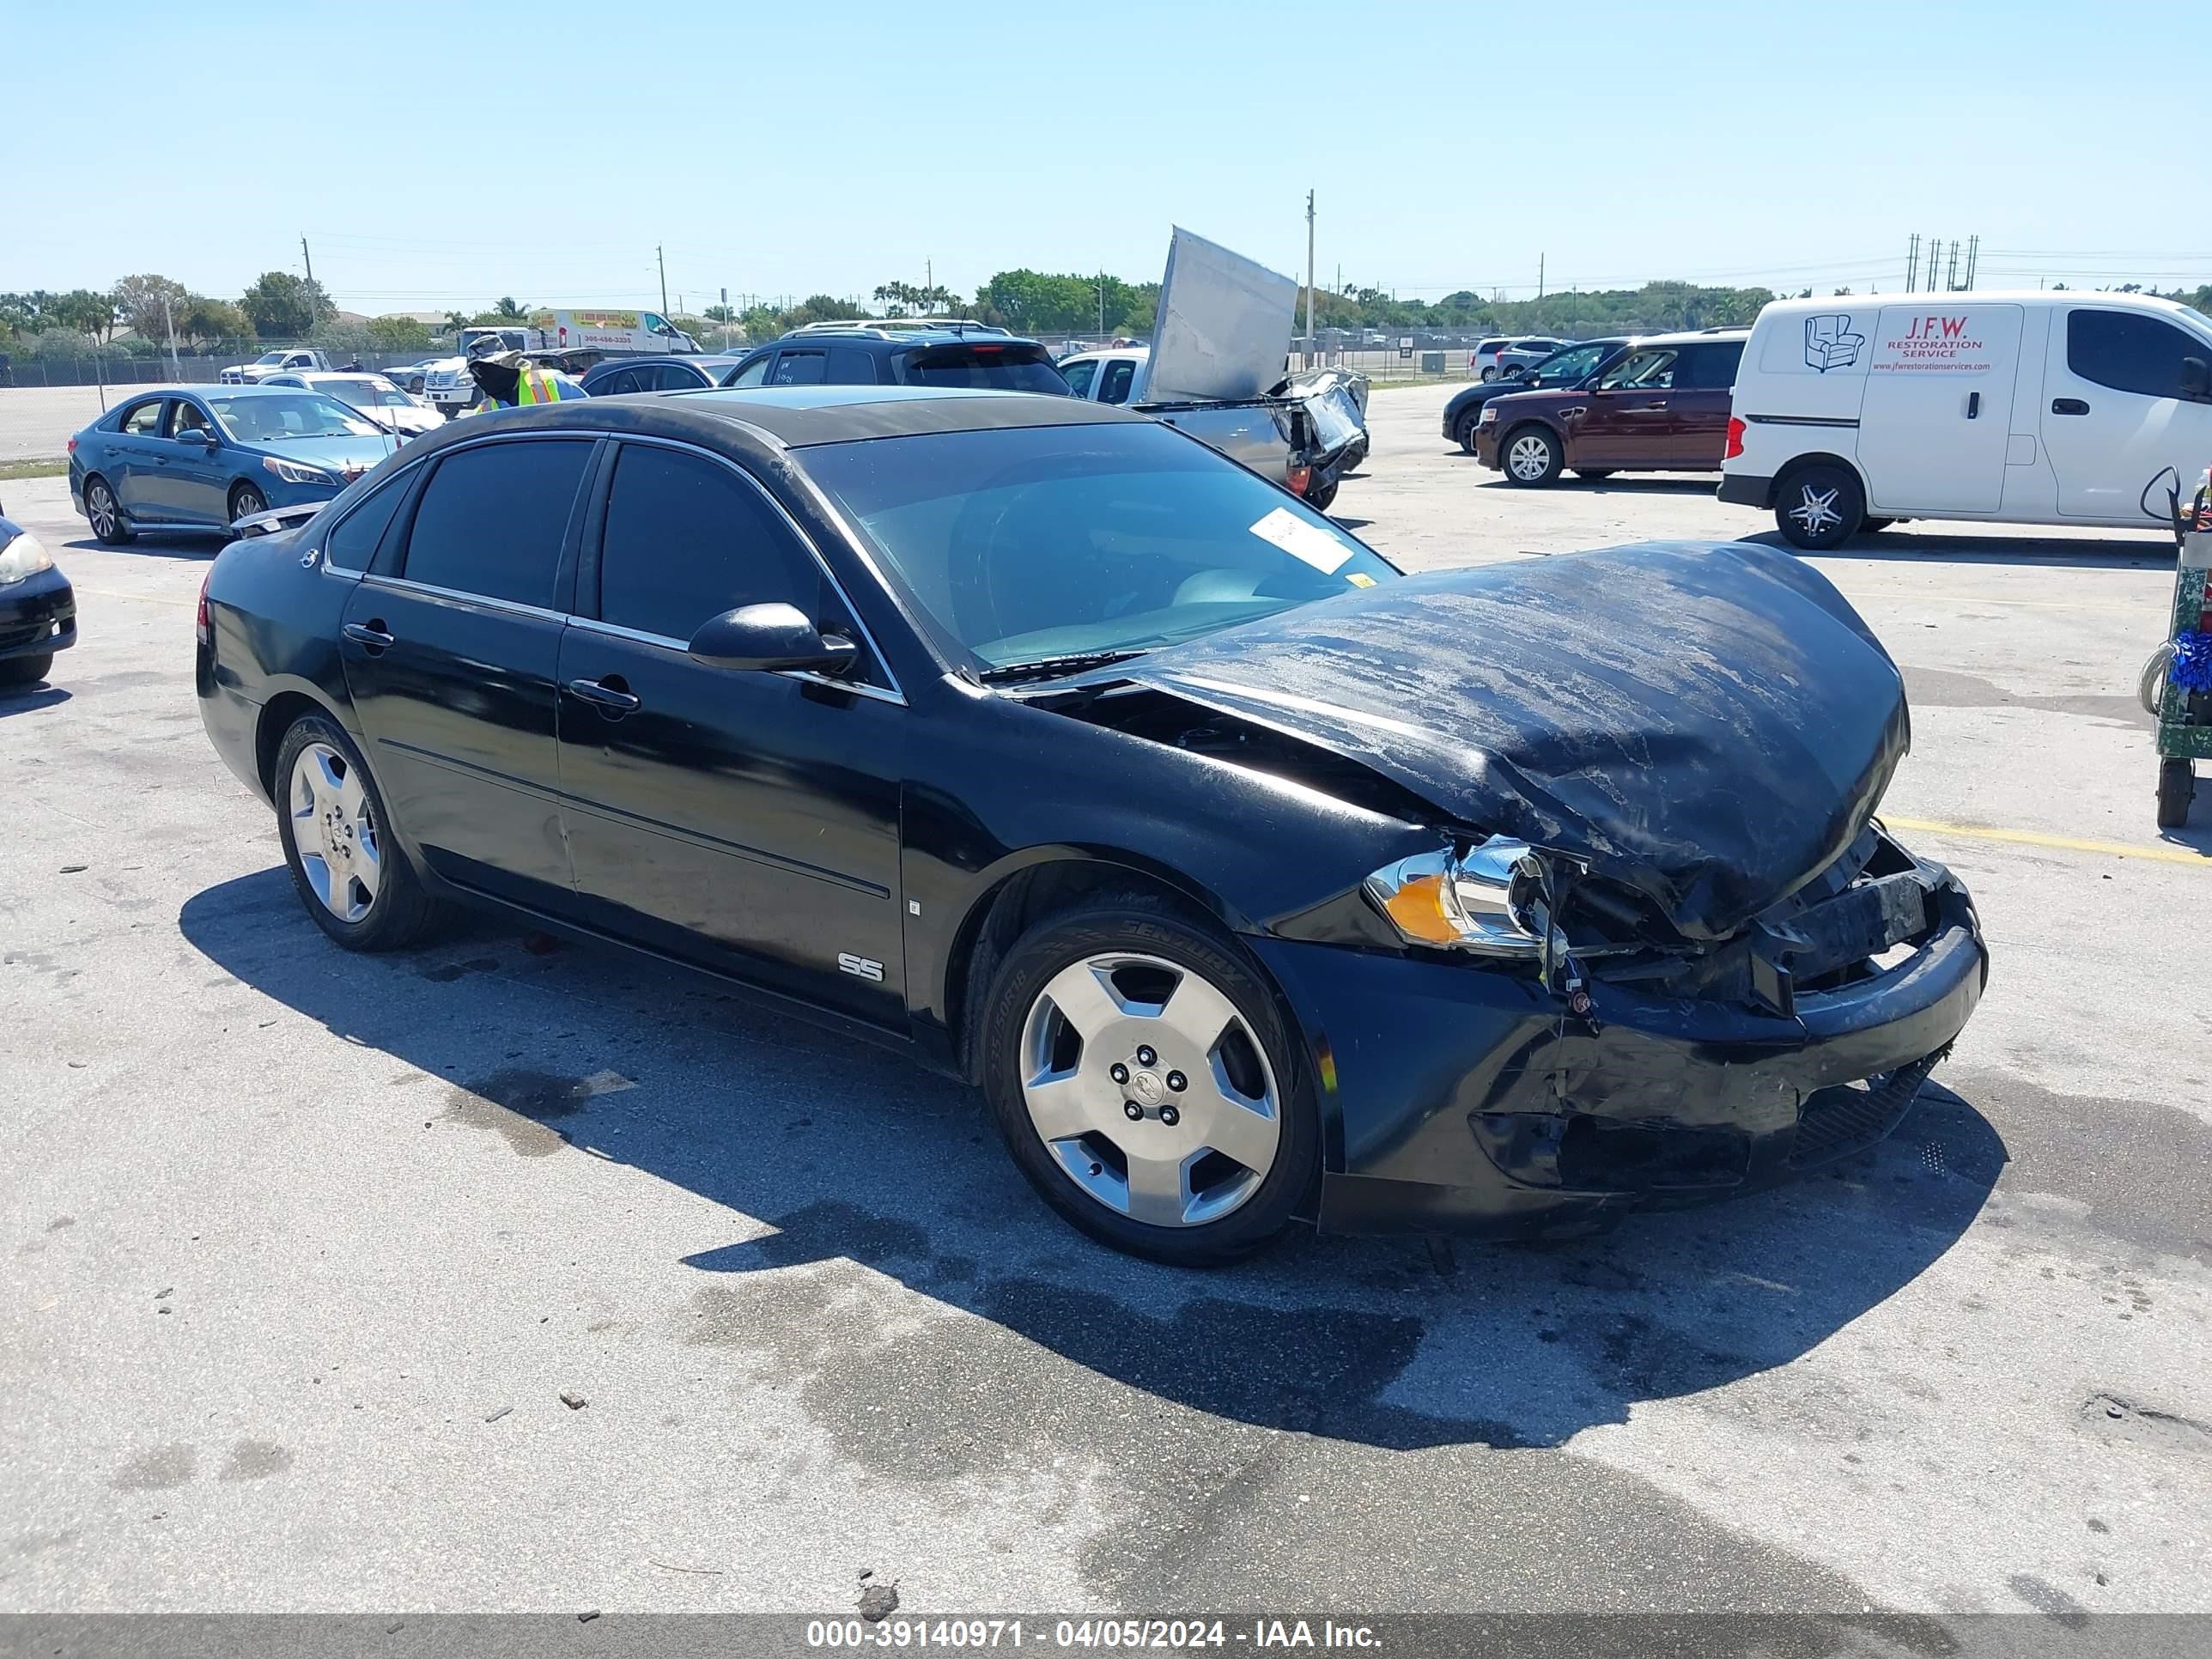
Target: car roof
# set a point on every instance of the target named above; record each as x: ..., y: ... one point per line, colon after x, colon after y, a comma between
x: 1689, y: 336
x: 214, y: 389
x: 696, y: 359
x: 870, y: 334
x: 799, y: 416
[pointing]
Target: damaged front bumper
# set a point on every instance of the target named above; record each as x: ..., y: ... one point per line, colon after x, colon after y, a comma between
x: 1465, y: 1098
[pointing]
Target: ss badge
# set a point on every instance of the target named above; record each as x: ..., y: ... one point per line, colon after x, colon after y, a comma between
x: 861, y: 966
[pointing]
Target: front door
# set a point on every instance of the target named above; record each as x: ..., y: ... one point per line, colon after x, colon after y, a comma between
x: 1626, y: 420
x: 2114, y: 413
x: 1935, y: 423
x: 451, y: 662
x: 196, y: 480
x: 746, y: 821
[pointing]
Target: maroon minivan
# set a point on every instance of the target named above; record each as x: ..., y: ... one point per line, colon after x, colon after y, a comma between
x: 1662, y: 408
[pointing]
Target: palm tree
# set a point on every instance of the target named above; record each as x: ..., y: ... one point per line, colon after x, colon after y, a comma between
x: 509, y: 312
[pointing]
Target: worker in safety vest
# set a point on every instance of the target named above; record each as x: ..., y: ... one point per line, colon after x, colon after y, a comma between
x: 508, y: 380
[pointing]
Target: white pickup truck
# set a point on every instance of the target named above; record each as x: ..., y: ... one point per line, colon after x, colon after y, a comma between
x: 292, y: 360
x: 1217, y: 370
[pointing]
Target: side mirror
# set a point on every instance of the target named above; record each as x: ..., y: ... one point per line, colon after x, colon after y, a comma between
x: 202, y: 435
x: 770, y: 638
x: 2196, y: 379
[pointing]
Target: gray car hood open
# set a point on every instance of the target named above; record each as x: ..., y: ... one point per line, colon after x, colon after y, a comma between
x: 1708, y: 723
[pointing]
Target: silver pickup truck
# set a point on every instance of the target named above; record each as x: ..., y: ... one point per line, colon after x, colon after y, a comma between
x: 1215, y: 370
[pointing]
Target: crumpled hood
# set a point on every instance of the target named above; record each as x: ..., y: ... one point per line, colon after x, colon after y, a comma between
x: 1708, y: 723
x: 340, y: 457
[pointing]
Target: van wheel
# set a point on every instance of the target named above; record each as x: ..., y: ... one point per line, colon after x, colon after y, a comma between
x: 1532, y: 455
x: 1868, y: 526
x: 1819, y: 507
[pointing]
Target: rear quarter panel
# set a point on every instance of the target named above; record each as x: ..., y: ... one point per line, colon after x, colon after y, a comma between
x: 274, y: 630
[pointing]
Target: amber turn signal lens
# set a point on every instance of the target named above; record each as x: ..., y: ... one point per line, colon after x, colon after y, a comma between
x: 1418, y: 909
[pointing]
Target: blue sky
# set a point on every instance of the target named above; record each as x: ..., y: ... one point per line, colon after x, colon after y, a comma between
x: 799, y: 151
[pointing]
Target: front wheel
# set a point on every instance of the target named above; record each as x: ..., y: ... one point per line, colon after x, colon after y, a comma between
x: 1141, y: 1078
x: 2177, y: 788
x: 347, y: 867
x: 26, y: 670
x: 246, y: 501
x: 1594, y: 474
x: 1532, y: 455
x: 1819, y: 507
x: 1467, y: 424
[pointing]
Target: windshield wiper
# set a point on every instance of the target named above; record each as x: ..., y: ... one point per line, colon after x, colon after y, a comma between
x: 1051, y: 668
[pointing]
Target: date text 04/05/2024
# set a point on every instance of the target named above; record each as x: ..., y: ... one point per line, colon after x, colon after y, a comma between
x: 1106, y: 1635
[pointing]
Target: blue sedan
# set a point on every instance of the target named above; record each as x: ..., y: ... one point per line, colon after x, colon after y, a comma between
x: 202, y: 458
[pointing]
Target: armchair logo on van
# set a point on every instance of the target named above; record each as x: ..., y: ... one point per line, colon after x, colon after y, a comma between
x: 1831, y: 343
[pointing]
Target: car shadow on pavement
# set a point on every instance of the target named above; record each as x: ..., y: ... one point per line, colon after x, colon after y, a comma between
x: 160, y: 544
x: 856, y: 1158
x: 40, y: 695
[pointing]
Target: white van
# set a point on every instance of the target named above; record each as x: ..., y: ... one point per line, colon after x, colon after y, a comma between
x: 2032, y: 408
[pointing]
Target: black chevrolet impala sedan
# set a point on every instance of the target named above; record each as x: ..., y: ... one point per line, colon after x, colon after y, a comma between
x: 1248, y: 878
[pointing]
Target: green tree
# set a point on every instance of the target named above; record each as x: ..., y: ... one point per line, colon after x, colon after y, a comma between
x: 86, y: 312
x: 283, y: 307
x: 507, y: 311
x: 141, y: 301
x: 209, y: 323
x: 398, y: 334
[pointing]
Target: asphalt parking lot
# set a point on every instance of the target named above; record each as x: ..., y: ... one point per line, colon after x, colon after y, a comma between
x: 302, y: 1250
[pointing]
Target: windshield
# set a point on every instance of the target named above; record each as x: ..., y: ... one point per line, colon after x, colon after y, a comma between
x: 985, y: 367
x: 266, y: 417
x: 1566, y: 368
x: 271, y: 357
x: 1038, y: 543
x: 366, y: 393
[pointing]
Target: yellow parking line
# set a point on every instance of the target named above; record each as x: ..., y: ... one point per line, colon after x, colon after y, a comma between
x: 143, y: 599
x: 2064, y: 843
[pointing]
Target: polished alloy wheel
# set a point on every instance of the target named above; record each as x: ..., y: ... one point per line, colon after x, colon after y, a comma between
x: 1531, y: 457
x: 334, y: 832
x: 99, y: 508
x: 1150, y: 1089
x: 1815, y: 513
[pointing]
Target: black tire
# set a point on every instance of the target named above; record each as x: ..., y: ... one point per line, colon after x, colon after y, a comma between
x: 401, y: 913
x: 1319, y: 499
x: 1819, y: 507
x: 245, y: 501
x: 1490, y: 374
x: 1464, y: 429
x: 1143, y: 925
x: 1593, y: 474
x: 25, y: 671
x: 2177, y: 788
x: 109, y: 524
x: 1554, y: 456
x: 1868, y: 526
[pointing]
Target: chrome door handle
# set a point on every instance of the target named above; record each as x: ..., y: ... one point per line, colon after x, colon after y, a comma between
x: 375, y: 639
x: 611, y: 698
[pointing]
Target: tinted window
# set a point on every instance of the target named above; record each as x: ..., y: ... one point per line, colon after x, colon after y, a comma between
x: 985, y: 367
x: 2129, y: 352
x: 1566, y: 368
x: 799, y: 368
x: 687, y: 539
x: 145, y: 420
x: 1037, y: 542
x: 1079, y: 376
x: 621, y: 380
x: 1707, y: 368
x: 1115, y: 387
x: 752, y: 373
x: 353, y: 543
x: 851, y: 365
x: 493, y: 519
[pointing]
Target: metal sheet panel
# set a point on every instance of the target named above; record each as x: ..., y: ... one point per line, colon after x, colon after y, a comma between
x: 1224, y: 324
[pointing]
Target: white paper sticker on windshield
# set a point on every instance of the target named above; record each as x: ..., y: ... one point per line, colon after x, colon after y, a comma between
x: 1304, y: 541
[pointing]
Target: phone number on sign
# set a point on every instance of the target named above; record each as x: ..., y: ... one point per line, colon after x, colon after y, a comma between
x: 1122, y: 1634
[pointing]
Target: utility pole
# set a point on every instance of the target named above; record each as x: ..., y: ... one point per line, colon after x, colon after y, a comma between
x: 1539, y: 275
x: 170, y: 323
x: 1951, y: 274
x: 1102, y: 306
x: 1310, y: 278
x: 1912, y: 261
x: 308, y: 257
x: 1973, y: 247
x: 663, y: 257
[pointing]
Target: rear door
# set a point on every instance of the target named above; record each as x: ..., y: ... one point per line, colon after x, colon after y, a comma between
x: 1698, y: 402
x: 2113, y: 411
x: 1936, y: 419
x: 747, y: 821
x: 137, y: 460
x: 1627, y: 419
x: 451, y: 643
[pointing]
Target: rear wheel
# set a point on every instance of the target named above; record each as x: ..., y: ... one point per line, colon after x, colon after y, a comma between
x: 1490, y: 374
x: 1819, y: 507
x: 25, y: 671
x: 106, y: 513
x: 1868, y: 526
x: 1532, y: 455
x: 348, y: 869
x: 1142, y: 1080
x: 1319, y: 498
x: 2177, y: 788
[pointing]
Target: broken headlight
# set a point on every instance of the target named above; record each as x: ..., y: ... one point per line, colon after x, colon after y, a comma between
x: 1482, y: 900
